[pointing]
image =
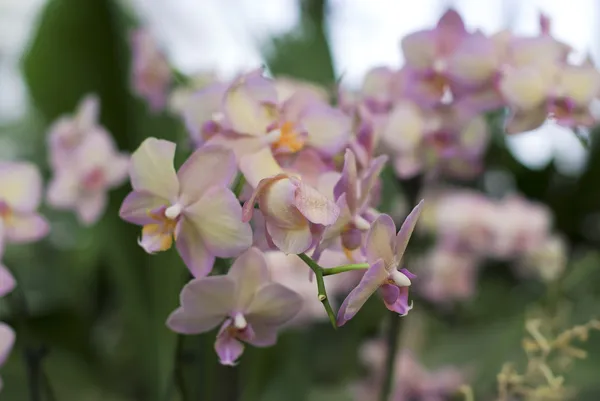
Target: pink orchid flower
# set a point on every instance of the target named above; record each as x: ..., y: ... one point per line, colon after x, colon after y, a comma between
x: 193, y: 207
x: 202, y: 113
x: 96, y: 167
x: 428, y: 53
x: 20, y: 196
x: 68, y: 132
x: 563, y: 91
x: 352, y: 193
x: 295, y: 213
x: 248, y: 305
x: 7, y: 340
x: 384, y: 250
x: 151, y: 71
x: 255, y: 118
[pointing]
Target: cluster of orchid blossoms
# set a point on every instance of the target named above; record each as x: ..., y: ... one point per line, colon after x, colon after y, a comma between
x: 470, y: 227
x: 195, y: 209
x: 279, y: 171
x: 20, y: 196
x: 85, y: 163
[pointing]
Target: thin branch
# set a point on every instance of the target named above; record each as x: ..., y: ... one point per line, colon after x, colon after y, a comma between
x: 318, y: 270
x: 345, y: 268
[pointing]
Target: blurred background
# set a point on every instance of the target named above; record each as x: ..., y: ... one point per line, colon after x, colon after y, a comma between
x: 96, y: 304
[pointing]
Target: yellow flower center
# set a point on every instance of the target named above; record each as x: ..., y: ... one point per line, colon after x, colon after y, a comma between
x: 289, y: 140
x: 159, y: 236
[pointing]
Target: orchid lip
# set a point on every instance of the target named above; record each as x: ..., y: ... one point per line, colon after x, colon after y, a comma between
x: 361, y: 223
x: 272, y: 136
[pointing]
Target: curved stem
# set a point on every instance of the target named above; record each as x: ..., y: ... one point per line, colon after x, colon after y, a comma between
x: 345, y: 268
x: 318, y: 270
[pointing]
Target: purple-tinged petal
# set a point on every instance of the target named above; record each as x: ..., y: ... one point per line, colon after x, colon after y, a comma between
x: 250, y: 272
x: 373, y: 278
x: 258, y: 166
x: 450, y: 32
x: 248, y: 105
x: 137, y: 205
x: 405, y: 127
x: 406, y: 230
x: 202, y: 107
x: 88, y: 112
x: 290, y: 240
x: 209, y: 166
x: 91, y: 207
x: 525, y: 88
x: 396, y: 299
x: 152, y: 169
x: 407, y: 273
x: 20, y: 185
x: 370, y: 179
x: 7, y: 281
x: 328, y: 129
x: 380, y: 240
x: 273, y: 305
x: 336, y: 229
x: 205, y: 302
x: 7, y: 340
x: 348, y: 182
x: 193, y: 251
x: 63, y: 189
x: 23, y: 228
x: 117, y: 169
x: 408, y: 166
x: 277, y: 202
x: 419, y: 49
x: 263, y: 336
x: 475, y: 61
x: 228, y: 348
x: 217, y: 216
x: 313, y: 205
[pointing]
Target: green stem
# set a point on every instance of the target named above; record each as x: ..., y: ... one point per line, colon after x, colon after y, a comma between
x: 318, y: 270
x: 345, y: 268
x: 392, y: 348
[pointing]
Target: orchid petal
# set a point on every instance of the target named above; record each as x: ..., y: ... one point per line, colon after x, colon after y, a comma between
x: 580, y: 84
x: 205, y: 303
x: 396, y: 299
x: 91, y: 207
x: 290, y: 240
x: 277, y: 202
x: 524, y: 121
x: 313, y: 205
x: 406, y: 230
x: 117, y: 168
x: 258, y: 166
x: 370, y: 179
x: 24, y: 228
x: 7, y: 340
x: 419, y: 49
x: 7, y: 281
x: 264, y: 335
x: 202, y: 107
x: 193, y: 250
x: 405, y: 127
x: 273, y: 305
x: 525, y: 88
x: 20, y: 185
x: 137, y: 205
x: 218, y: 218
x: 249, y: 271
x: 348, y: 182
x: 63, y: 189
x: 207, y: 167
x: 379, y: 243
x: 373, y: 278
x: 152, y: 169
x: 328, y: 129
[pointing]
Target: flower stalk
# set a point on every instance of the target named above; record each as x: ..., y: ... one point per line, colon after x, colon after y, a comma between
x: 322, y: 291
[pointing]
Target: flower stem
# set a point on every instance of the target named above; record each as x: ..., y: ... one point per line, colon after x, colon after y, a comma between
x: 345, y: 268
x: 318, y: 270
x: 392, y: 348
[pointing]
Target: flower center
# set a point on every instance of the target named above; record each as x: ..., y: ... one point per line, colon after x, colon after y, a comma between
x: 288, y: 141
x: 437, y: 82
x: 5, y: 210
x: 159, y: 236
x: 94, y: 180
x: 561, y: 108
x: 398, y: 278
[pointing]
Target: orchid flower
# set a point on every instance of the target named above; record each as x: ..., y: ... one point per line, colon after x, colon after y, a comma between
x: 68, y: 132
x: 7, y: 340
x: 193, y: 207
x: 295, y: 213
x: 254, y: 118
x: 353, y: 195
x: 202, y: 113
x: 384, y: 250
x: 96, y: 167
x: 151, y: 71
x: 248, y: 305
x: 20, y: 195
